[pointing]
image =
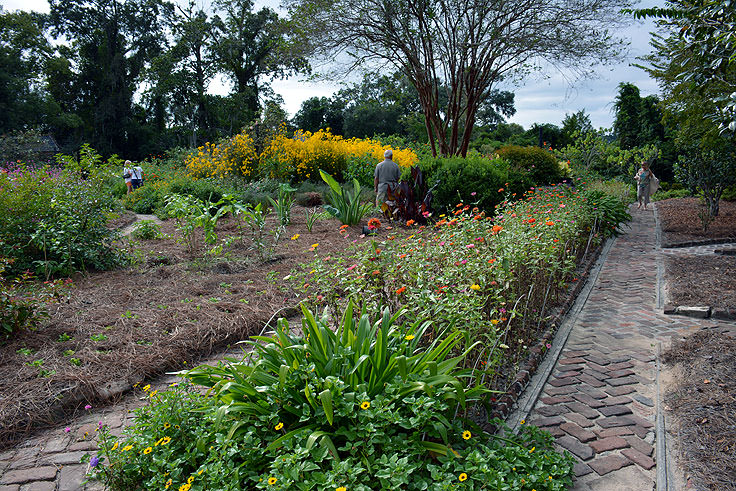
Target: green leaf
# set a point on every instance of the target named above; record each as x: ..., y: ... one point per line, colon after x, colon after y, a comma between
x: 326, y: 397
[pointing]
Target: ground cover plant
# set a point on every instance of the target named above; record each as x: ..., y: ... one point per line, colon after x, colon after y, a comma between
x: 372, y: 405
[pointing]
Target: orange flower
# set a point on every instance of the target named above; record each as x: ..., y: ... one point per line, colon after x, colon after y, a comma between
x: 376, y: 272
x: 549, y: 222
x: 500, y: 190
x: 401, y: 290
x: 531, y: 220
x: 409, y: 223
x: 496, y: 229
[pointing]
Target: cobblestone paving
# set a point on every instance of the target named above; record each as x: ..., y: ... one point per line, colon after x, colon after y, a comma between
x: 600, y: 400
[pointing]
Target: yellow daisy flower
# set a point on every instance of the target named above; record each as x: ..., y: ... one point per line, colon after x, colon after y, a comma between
x: 365, y: 405
x: 279, y: 426
x: 148, y: 450
x: 272, y: 480
x: 467, y: 435
x: 462, y: 477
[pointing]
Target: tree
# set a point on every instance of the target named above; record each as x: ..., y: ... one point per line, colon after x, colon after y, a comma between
x: 249, y: 46
x: 319, y: 113
x: 706, y: 35
x: 574, y: 124
x: 114, y: 41
x: 462, y: 48
x: 627, y: 106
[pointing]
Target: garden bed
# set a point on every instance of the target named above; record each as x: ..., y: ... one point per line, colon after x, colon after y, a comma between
x: 682, y: 226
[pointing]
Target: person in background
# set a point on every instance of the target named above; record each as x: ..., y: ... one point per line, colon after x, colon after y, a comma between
x: 137, y: 180
x: 387, y: 173
x: 128, y: 175
x: 644, y: 178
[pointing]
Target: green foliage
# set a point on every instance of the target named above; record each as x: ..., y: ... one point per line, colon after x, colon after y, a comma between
x: 146, y: 230
x: 672, y: 193
x: 54, y: 221
x: 360, y: 168
x: 23, y: 301
x: 284, y: 203
x: 608, y: 210
x: 344, y: 205
x: 468, y: 180
x: 190, y: 214
x: 709, y: 170
x: 538, y: 163
x: 364, y: 407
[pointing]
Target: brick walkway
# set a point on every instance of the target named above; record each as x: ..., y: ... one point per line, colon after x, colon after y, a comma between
x: 599, y: 401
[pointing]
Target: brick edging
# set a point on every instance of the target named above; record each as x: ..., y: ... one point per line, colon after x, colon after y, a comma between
x: 695, y: 243
x: 505, y: 402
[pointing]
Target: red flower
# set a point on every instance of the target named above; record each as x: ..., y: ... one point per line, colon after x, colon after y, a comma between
x: 401, y: 290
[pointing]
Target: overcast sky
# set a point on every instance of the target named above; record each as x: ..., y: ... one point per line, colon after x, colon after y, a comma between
x: 537, y: 101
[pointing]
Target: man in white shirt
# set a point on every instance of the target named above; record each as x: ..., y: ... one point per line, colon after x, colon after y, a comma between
x: 387, y: 172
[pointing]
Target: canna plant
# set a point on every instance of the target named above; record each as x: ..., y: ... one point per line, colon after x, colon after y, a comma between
x: 344, y: 205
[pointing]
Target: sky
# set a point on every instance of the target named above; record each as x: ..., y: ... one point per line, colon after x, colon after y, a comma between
x: 537, y: 100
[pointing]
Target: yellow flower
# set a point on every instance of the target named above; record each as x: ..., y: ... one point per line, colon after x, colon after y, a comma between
x: 475, y: 287
x: 165, y: 440
x: 148, y: 450
x: 365, y: 405
x: 463, y: 477
x: 295, y: 236
x: 158, y: 442
x: 167, y: 426
x: 494, y: 321
x: 115, y: 446
x: 185, y: 487
x: 523, y: 421
x: 467, y: 435
x: 315, y: 245
x: 409, y: 337
x: 530, y: 451
x: 341, y: 488
x: 153, y: 393
x: 127, y: 447
x: 190, y: 480
x: 146, y: 387
x: 200, y: 471
x: 272, y: 480
x: 278, y: 426
x: 168, y: 483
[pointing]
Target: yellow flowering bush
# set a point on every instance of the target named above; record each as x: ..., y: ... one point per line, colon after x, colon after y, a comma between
x: 236, y: 155
x: 301, y: 157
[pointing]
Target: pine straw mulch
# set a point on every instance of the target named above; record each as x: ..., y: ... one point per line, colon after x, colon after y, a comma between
x: 698, y: 280
x: 702, y: 400
x: 124, y: 326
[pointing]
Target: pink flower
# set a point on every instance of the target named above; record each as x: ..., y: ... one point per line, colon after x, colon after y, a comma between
x: 87, y: 407
x: 352, y: 267
x: 549, y: 346
x: 442, y: 243
x: 463, y: 261
x: 67, y: 429
x: 470, y: 246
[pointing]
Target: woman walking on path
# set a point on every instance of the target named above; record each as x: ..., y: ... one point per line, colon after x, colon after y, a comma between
x: 644, y: 178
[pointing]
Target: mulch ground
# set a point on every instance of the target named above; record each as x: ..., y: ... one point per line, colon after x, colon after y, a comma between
x: 703, y: 403
x: 707, y: 280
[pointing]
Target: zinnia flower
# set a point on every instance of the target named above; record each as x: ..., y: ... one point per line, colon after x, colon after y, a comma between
x: 409, y: 337
x: 475, y: 287
x: 401, y: 290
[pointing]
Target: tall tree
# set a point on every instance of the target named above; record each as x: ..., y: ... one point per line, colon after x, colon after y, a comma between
x: 251, y: 46
x: 465, y: 46
x: 115, y: 40
x: 627, y: 124
x: 573, y: 125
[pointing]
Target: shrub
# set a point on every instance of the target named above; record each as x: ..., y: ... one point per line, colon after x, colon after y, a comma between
x: 236, y: 155
x: 54, y: 221
x: 345, y: 205
x: 540, y: 164
x: 365, y: 407
x: 468, y: 180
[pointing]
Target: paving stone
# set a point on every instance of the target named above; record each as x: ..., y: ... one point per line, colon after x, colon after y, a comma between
x: 619, y: 391
x: 614, y: 421
x: 63, y: 458
x: 596, y: 374
x: 39, y: 486
x: 84, y: 445
x: 597, y: 367
x: 591, y: 380
x: 9, y: 487
x: 551, y: 421
x: 640, y: 421
x: 623, y: 381
x: 618, y: 400
x: 620, y: 366
x: 609, y: 463
x: 568, y: 374
x: 610, y: 443
x: 561, y: 382
x: 576, y: 431
x: 598, y: 360
x: 56, y: 444
x: 556, y: 399
x: 586, y: 399
x: 558, y: 391
x: 72, y: 477
x: 641, y: 432
x: 640, y: 445
x: 579, y: 420
x: 593, y: 392
x: 638, y: 458
x: 615, y: 410
x: 644, y: 400
x: 575, y: 447
x: 567, y: 368
x: 551, y: 410
x: 23, y: 476
x: 615, y: 431
x: 620, y: 373
x: 581, y: 469
x: 574, y: 353
x: 583, y: 409
x: 618, y: 359
x: 555, y: 431
x: 572, y: 361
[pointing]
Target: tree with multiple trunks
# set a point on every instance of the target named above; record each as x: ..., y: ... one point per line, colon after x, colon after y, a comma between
x: 459, y: 50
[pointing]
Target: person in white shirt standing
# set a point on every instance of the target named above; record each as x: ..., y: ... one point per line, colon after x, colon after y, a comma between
x: 128, y: 175
x: 137, y: 180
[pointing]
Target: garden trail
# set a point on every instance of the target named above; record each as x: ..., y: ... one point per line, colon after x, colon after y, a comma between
x: 600, y: 398
x: 128, y: 229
